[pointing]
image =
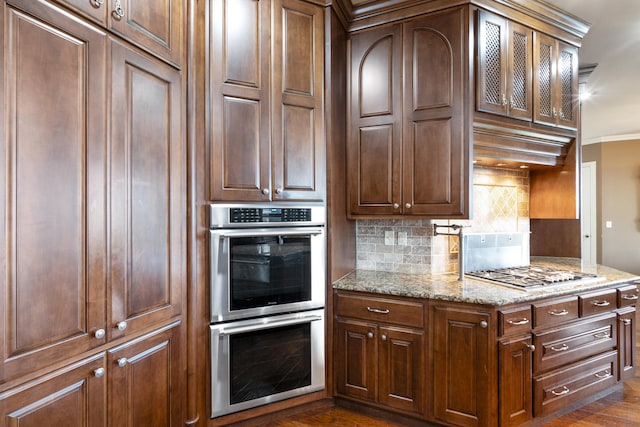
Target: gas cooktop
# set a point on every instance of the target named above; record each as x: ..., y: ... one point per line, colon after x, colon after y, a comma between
x: 532, y: 277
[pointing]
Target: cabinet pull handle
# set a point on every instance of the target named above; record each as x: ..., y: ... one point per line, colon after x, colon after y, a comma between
x: 504, y: 100
x: 98, y: 3
x: 530, y: 347
x: 98, y: 373
x: 369, y: 334
x: 522, y: 321
x: 563, y: 347
x: 278, y: 190
x: 99, y: 334
x: 407, y: 205
x: 396, y: 206
x: 564, y: 391
x: 265, y: 191
x: 511, y: 102
x: 558, y: 313
x: 383, y: 337
x: 118, y: 11
x: 603, y: 303
x: 626, y: 322
x: 631, y: 297
x: 378, y: 310
x: 122, y: 362
x: 603, y: 374
x: 602, y: 335
x: 483, y: 324
x: 555, y: 112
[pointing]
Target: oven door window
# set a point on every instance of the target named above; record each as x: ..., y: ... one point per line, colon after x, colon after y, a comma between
x: 269, y: 361
x: 269, y: 270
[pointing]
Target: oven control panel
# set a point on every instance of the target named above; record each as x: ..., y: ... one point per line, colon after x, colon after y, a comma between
x: 242, y: 215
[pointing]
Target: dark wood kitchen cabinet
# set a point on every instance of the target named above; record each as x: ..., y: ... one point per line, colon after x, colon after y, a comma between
x: 408, y: 150
x: 154, y: 25
x: 266, y: 91
x: 92, y: 205
x: 555, y: 82
x: 74, y: 396
x: 504, y: 74
x: 379, y: 355
x: 464, y: 380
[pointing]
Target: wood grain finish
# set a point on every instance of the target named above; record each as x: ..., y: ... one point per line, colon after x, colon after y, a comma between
x: 516, y: 401
x: 52, y: 188
x: 146, y: 191
x: 407, y: 152
x: 460, y: 366
x: 154, y: 25
x: 144, y: 382
x: 72, y: 397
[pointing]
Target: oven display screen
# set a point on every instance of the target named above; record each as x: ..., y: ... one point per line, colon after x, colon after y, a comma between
x: 269, y: 361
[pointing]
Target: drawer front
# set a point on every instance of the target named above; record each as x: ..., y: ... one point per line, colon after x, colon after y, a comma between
x: 565, y: 387
x: 515, y: 321
x: 562, y: 346
x: 556, y: 311
x: 381, y: 309
x: 628, y: 295
x: 598, y: 302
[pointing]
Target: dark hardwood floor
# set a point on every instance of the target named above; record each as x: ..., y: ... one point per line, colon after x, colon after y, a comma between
x: 618, y: 409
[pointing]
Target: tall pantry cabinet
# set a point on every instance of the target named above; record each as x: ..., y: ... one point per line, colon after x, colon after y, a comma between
x: 92, y: 196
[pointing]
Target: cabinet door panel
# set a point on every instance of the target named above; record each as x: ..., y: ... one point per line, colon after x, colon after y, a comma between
x: 519, y: 72
x: 152, y: 24
x: 298, y: 147
x: 356, y: 359
x: 239, y: 63
x: 567, y: 97
x: 515, y: 364
x: 544, y: 79
x: 147, y: 190
x: 145, y: 381
x: 492, y: 63
x: 401, y: 369
x: 435, y: 155
x: 373, y: 154
x: 72, y: 397
x: 627, y: 343
x: 52, y: 180
x: 461, y: 367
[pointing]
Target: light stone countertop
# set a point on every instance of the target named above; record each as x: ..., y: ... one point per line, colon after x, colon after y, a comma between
x: 447, y: 287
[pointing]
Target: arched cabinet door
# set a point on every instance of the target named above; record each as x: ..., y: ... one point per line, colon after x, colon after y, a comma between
x: 436, y: 155
x: 376, y: 114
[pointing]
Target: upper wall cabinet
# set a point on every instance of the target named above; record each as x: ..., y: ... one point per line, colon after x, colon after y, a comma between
x: 525, y: 74
x: 266, y: 92
x: 408, y: 150
x: 555, y: 82
x: 504, y: 67
x: 155, y: 25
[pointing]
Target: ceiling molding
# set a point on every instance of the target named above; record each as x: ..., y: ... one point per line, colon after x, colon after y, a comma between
x: 612, y: 138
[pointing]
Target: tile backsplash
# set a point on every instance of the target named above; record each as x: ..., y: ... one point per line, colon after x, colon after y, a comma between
x: 500, y: 204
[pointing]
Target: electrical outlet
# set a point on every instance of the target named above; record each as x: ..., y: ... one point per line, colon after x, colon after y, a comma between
x: 402, y: 238
x: 389, y: 237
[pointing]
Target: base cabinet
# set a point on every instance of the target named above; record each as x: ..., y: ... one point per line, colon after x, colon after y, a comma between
x: 462, y: 366
x: 74, y: 396
x: 514, y: 362
x: 136, y: 384
x: 379, y: 362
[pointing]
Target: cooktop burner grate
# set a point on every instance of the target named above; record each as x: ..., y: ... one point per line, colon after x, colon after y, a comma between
x: 530, y: 276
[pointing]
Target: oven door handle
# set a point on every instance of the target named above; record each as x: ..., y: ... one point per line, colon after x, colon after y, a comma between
x: 269, y: 324
x: 261, y: 232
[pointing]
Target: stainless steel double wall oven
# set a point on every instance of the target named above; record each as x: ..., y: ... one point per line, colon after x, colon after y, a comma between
x: 267, y: 303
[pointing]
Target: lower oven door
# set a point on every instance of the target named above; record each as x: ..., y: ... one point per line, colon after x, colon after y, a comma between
x: 258, y: 361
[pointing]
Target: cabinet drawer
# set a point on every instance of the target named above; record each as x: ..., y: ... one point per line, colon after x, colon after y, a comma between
x: 555, y: 311
x: 381, y: 309
x: 597, y: 302
x: 628, y: 295
x: 561, y: 346
x: 564, y: 387
x: 515, y: 320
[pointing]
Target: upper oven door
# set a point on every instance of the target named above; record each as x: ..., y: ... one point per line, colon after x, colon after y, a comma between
x: 256, y: 272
